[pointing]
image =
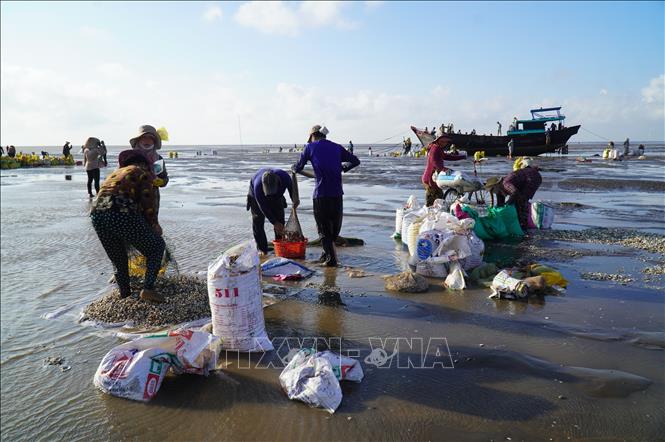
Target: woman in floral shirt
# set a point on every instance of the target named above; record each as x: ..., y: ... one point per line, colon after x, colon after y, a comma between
x: 125, y: 212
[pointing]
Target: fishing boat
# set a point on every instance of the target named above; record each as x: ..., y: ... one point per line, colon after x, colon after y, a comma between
x: 543, y: 133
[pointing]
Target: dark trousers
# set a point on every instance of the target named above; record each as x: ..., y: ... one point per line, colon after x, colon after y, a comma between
x: 521, y: 204
x: 432, y: 193
x: 117, y: 229
x: 328, y: 214
x: 93, y: 175
x: 277, y: 206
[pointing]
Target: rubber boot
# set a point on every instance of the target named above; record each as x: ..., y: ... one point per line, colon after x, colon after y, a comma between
x: 332, y: 257
x: 152, y: 296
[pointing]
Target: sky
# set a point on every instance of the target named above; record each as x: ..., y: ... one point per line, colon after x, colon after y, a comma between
x: 265, y: 72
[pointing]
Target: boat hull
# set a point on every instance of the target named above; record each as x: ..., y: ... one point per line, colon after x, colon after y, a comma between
x: 524, y: 144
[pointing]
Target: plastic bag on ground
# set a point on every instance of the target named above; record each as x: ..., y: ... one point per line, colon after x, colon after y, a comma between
x: 313, y: 378
x: 477, y: 247
x: 235, y: 296
x: 432, y: 269
x: 484, y: 274
x: 499, y: 223
x: 284, y: 266
x: 407, y: 282
x: 412, y: 239
x: 455, y: 278
x: 399, y: 215
x: 541, y: 215
x: 135, y: 370
x: 453, y: 248
x: 504, y: 286
x: 412, y: 203
x: 552, y: 276
x: 409, y: 218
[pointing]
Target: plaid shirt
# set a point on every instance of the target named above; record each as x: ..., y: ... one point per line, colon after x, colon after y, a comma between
x: 525, y: 181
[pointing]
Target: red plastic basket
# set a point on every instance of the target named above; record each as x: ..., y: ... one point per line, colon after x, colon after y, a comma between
x: 286, y: 249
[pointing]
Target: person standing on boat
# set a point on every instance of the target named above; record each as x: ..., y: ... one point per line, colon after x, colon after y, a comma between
x: 329, y: 160
x: 498, y: 132
x: 266, y: 200
x: 511, y: 146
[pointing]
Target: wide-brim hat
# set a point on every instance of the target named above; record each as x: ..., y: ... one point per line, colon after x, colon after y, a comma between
x: 147, y: 129
x: 493, y: 182
x: 315, y: 129
x: 130, y: 154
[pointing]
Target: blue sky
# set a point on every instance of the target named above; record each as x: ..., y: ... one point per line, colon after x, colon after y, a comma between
x: 368, y: 70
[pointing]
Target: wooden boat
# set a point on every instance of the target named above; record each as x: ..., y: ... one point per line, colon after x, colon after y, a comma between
x: 530, y: 137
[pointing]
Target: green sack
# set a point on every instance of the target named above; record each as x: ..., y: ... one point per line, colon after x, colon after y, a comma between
x: 508, y: 215
x: 500, y: 223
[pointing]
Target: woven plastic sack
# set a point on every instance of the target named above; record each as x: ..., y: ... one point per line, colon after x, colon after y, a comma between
x: 135, y: 370
x: 235, y: 296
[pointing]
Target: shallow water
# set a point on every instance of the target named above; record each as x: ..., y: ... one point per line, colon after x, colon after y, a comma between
x: 599, y: 347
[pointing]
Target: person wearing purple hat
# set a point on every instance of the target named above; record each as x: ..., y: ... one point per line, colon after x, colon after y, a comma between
x: 125, y: 213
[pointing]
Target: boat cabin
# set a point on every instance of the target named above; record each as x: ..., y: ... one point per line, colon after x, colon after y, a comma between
x: 539, y: 122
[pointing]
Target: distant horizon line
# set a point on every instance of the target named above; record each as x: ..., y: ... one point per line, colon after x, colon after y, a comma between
x: 287, y: 145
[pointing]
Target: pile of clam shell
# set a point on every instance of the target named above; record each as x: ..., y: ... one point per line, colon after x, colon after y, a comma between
x: 186, y: 300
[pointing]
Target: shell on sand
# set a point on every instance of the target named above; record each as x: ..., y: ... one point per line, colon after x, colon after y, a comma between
x: 186, y: 300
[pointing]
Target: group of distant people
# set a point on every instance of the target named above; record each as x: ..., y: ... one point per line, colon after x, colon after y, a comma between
x: 612, y: 153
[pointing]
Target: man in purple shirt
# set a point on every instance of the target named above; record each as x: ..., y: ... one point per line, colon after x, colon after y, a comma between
x: 329, y: 160
x: 266, y: 200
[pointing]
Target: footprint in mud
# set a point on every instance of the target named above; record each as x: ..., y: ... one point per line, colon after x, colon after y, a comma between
x: 594, y: 382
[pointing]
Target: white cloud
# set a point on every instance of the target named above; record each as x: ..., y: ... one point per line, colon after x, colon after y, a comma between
x: 282, y: 18
x: 654, y: 96
x: 47, y: 106
x: 268, y: 17
x: 213, y: 13
x: 603, y: 92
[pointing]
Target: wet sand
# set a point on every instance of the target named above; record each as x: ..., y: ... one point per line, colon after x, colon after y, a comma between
x: 588, y: 364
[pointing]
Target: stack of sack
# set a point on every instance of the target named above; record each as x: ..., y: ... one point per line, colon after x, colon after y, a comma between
x: 439, y: 244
